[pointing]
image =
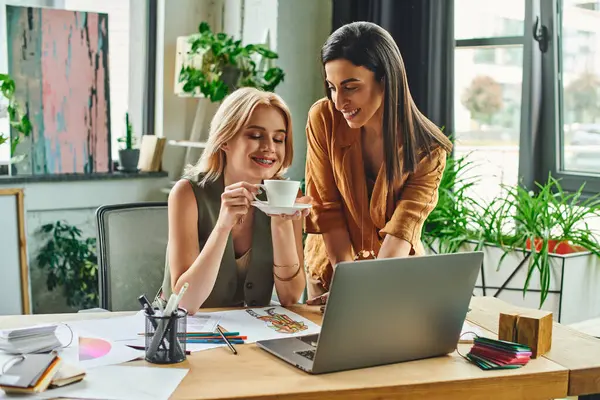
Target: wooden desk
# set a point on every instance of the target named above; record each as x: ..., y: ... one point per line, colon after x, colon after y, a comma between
x: 574, y: 350
x: 255, y: 374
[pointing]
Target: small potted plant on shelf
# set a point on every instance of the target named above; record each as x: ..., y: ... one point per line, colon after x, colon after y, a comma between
x: 217, y: 64
x: 128, y: 156
x: 18, y: 120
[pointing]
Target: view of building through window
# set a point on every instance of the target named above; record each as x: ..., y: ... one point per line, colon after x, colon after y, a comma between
x: 579, y: 55
x: 487, y: 85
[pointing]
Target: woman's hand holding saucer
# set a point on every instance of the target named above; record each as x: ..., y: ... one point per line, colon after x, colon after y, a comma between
x: 299, y: 214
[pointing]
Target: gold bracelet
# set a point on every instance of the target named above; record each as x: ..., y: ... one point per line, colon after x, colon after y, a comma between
x: 291, y: 277
x: 285, y: 266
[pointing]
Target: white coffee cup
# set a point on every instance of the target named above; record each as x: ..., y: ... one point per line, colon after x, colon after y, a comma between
x: 280, y: 193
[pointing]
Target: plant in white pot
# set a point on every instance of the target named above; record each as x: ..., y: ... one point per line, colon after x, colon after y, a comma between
x: 217, y: 64
x: 128, y: 156
x: 559, y: 273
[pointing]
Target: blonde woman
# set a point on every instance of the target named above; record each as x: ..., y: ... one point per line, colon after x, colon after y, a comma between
x: 230, y: 253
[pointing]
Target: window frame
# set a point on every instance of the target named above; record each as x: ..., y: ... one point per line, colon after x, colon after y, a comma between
x: 541, y: 137
x: 552, y: 110
x: 526, y: 170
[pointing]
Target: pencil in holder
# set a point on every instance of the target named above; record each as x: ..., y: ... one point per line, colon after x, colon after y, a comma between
x: 165, y: 337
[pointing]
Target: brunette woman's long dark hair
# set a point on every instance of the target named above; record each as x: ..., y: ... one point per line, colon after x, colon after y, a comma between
x: 368, y: 45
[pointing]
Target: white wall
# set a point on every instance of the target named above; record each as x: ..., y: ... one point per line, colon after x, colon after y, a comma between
x: 75, y: 203
x: 260, y: 16
x: 297, y: 30
x: 303, y: 27
x: 175, y: 115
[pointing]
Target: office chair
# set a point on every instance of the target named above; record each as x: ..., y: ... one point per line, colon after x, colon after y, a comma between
x: 132, y: 242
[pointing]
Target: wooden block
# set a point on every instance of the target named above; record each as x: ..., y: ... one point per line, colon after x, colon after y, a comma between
x: 532, y: 328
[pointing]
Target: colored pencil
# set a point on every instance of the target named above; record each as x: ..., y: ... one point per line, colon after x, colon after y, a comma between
x: 214, y: 341
x: 216, y: 338
x: 205, y: 334
x: 202, y: 334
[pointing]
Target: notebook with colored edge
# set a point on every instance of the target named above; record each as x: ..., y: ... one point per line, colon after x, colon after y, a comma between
x: 32, y: 374
x: 67, y: 374
x: 491, y: 354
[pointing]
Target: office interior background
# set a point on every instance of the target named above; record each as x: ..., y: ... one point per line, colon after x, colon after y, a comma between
x: 516, y: 84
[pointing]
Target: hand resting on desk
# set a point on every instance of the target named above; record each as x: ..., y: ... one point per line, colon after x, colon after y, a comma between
x: 319, y: 300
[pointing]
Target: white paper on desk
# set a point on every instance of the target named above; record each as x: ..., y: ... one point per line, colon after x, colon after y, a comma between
x: 203, y: 322
x: 469, y: 331
x: 127, y: 330
x: 267, y: 323
x: 91, y: 351
x: 122, y: 382
x: 117, y: 328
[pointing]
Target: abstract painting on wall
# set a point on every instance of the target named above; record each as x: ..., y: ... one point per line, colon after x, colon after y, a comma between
x: 59, y: 61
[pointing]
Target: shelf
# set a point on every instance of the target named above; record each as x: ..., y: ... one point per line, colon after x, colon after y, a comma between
x: 187, y: 143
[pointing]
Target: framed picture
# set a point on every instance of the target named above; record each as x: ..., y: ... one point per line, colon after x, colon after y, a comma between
x: 14, y: 285
x: 59, y: 61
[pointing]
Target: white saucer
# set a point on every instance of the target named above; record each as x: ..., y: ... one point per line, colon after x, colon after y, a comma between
x: 267, y: 209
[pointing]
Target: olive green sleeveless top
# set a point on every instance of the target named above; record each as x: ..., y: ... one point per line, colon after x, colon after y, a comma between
x: 245, y: 281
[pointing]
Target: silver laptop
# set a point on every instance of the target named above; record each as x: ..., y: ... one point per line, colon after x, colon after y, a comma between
x: 387, y: 311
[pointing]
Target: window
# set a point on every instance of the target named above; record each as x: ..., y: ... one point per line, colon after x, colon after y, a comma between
x: 571, y: 114
x: 127, y: 60
x: 487, y: 89
x: 520, y: 112
x: 579, y: 50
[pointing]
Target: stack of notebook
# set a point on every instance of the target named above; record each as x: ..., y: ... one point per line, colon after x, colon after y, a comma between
x: 31, y: 373
x: 37, y: 339
x: 498, y: 354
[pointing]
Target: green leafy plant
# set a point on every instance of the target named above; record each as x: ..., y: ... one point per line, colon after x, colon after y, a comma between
x: 17, y: 119
x: 70, y: 262
x: 227, y: 65
x: 128, y: 139
x: 547, y: 219
x: 517, y: 220
x: 448, y: 223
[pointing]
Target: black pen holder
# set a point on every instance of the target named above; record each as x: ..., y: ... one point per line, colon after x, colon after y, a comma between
x: 166, y: 338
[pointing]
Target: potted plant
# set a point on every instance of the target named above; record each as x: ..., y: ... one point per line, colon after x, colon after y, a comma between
x: 128, y: 156
x: 70, y: 262
x: 223, y: 64
x: 447, y: 227
x: 553, y: 220
x: 18, y: 120
x: 530, y: 276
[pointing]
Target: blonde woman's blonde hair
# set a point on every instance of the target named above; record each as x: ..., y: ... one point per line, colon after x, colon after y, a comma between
x: 231, y: 117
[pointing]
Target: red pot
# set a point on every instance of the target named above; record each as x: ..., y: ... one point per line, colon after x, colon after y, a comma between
x: 556, y: 247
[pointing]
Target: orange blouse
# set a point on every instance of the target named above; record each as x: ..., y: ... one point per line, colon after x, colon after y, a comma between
x: 335, y: 178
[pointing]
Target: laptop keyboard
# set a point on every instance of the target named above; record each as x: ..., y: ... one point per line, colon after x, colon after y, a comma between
x: 310, y: 339
x: 310, y: 354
